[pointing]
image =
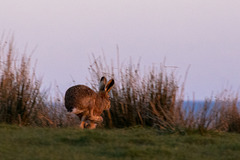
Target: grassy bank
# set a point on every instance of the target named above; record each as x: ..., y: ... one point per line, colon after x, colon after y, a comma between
x: 130, y: 143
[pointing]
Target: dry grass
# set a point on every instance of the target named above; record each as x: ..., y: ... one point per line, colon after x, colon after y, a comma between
x: 152, y: 98
x: 218, y: 114
x: 20, y: 96
x: 156, y: 99
x: 22, y: 99
x: 148, y: 100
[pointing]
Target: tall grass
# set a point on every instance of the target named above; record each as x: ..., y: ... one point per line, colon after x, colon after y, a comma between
x: 153, y: 97
x: 23, y: 101
x: 136, y: 99
x: 156, y: 99
x: 20, y: 96
x: 221, y: 113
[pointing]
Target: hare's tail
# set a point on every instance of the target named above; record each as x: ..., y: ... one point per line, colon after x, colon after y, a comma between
x: 70, y: 109
x: 77, y: 111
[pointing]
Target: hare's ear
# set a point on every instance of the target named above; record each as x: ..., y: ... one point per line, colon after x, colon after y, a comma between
x: 102, y: 84
x: 109, y: 85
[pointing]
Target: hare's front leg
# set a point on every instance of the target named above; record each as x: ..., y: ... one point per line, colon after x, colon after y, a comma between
x: 97, y: 119
x: 82, y: 120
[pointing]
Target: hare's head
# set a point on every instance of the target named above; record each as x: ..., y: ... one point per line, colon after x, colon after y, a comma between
x: 104, y: 89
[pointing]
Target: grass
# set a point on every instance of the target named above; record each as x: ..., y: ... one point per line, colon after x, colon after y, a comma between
x: 156, y: 98
x: 23, y: 101
x: 129, y: 143
x: 150, y: 98
x: 138, y: 97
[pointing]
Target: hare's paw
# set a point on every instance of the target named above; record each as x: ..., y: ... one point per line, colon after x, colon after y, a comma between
x: 82, y: 125
x: 91, y: 125
x: 87, y: 124
x: 97, y: 119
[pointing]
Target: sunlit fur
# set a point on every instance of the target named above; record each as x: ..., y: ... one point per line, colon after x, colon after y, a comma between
x: 87, y: 104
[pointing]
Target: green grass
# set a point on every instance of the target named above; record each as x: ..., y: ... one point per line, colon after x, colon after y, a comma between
x: 131, y: 143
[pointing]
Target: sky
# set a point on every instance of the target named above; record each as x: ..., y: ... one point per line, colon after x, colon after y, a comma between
x: 202, y: 34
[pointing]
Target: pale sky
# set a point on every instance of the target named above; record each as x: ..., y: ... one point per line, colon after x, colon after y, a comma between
x: 202, y: 33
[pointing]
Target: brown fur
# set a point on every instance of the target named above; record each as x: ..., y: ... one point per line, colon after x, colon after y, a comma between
x: 87, y: 104
x: 79, y: 96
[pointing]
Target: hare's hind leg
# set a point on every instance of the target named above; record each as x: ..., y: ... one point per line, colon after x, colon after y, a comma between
x: 82, y: 120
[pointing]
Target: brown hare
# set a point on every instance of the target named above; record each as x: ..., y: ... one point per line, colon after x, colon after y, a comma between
x: 87, y: 104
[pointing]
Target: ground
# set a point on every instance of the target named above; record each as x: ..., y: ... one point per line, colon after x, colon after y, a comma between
x: 129, y: 143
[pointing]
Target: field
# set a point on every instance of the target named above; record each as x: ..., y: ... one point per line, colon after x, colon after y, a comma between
x: 152, y: 98
x: 129, y: 143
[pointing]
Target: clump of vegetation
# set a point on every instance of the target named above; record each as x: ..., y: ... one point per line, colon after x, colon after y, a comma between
x: 147, y: 100
x: 152, y: 98
x: 156, y: 99
x: 219, y: 114
x: 22, y: 99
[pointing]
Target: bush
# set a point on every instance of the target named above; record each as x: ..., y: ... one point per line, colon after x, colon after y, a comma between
x: 153, y: 99
x: 22, y: 99
x: 156, y: 99
x: 137, y: 100
x: 20, y: 96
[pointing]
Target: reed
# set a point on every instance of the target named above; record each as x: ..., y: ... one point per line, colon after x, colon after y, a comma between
x: 217, y: 114
x: 20, y: 95
x: 156, y: 99
x: 150, y: 98
x: 136, y: 99
x: 23, y: 101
